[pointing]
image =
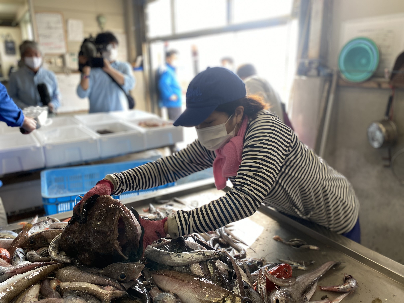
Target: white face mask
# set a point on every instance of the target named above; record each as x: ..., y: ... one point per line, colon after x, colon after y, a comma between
x: 111, y: 54
x: 33, y: 62
x: 215, y: 137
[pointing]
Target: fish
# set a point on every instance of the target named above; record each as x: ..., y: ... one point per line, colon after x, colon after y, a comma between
x: 29, y: 295
x: 242, y: 253
x: 139, y: 291
x: 296, y: 243
x: 156, y: 254
x: 40, y: 239
x: 5, y: 255
x: 33, y: 256
x: 350, y: 285
x: 297, y: 264
x: 105, y: 295
x: 9, y: 271
x: 42, y: 225
x: 10, y: 288
x: 58, y: 225
x: 7, y: 234
x: 299, y: 290
x: 54, y: 251
x: 122, y: 272
x: 191, y: 289
x: 19, y: 257
x: 47, y: 290
x: 5, y: 243
x: 74, y: 274
x: 21, y: 238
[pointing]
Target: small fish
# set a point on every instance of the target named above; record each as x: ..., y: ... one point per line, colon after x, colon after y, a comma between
x: 58, y: 225
x: 33, y: 256
x: 10, y: 271
x: 29, y: 295
x: 350, y: 284
x: 40, y: 239
x: 54, y: 251
x: 122, y: 272
x: 19, y: 257
x: 21, y: 238
x: 296, y: 243
x: 42, y: 225
x: 92, y: 289
x: 241, y: 251
x: 15, y: 285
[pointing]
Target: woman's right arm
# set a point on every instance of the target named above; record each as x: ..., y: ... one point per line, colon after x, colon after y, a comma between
x: 192, y: 159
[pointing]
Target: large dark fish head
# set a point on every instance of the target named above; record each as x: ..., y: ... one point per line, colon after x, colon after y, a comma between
x: 102, y: 231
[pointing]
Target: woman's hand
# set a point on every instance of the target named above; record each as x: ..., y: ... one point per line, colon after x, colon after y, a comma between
x: 28, y: 125
x: 153, y: 230
x: 102, y: 188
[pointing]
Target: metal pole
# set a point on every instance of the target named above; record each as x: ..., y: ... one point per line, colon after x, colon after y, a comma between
x: 33, y: 19
x: 328, y: 115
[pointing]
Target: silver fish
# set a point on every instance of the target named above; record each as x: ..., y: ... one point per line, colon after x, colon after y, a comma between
x: 301, y: 289
x: 242, y: 253
x: 296, y: 243
x: 12, y: 287
x: 9, y: 271
x: 74, y: 274
x: 19, y: 257
x: 94, y: 290
x: 29, y: 295
x: 350, y: 284
x: 191, y: 289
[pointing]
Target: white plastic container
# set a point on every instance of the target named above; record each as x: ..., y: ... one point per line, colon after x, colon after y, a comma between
x: 57, y: 122
x: 132, y: 115
x: 67, y: 145
x: 159, y: 136
x: 4, y: 129
x: 123, y: 139
x: 96, y: 118
x: 19, y: 153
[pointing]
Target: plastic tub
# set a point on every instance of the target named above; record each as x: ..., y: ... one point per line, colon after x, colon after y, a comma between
x: 96, y: 118
x: 132, y: 115
x: 60, y: 122
x: 61, y: 188
x: 20, y: 153
x: 67, y: 145
x: 158, y: 136
x: 118, y: 138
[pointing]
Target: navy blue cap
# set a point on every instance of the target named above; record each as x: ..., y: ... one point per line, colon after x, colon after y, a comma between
x: 208, y: 90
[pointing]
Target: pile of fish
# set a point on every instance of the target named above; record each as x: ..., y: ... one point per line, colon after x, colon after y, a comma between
x: 96, y: 257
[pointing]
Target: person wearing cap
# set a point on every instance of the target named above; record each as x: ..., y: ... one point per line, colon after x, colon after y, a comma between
x: 256, y: 151
x: 23, y: 84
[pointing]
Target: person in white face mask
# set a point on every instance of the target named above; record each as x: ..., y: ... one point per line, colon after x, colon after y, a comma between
x: 105, y: 87
x: 254, y: 150
x: 32, y: 84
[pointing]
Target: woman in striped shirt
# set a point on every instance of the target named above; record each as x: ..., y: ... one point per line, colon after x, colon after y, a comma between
x: 262, y: 157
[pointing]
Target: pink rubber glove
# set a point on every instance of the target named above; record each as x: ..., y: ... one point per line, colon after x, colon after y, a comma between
x: 153, y: 231
x: 102, y: 188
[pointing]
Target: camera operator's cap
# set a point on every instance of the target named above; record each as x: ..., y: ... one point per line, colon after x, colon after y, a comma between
x: 208, y: 90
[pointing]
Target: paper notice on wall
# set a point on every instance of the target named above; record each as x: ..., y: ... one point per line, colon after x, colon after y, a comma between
x: 51, y: 33
x: 386, y: 31
x: 75, y: 30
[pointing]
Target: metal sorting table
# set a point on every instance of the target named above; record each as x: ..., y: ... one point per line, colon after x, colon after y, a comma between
x: 380, y: 279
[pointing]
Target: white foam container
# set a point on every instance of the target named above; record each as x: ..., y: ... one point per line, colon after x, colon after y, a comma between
x: 19, y: 153
x: 160, y: 136
x: 68, y: 145
x: 126, y: 138
x: 56, y: 122
x: 132, y: 115
x: 4, y: 129
x: 96, y: 118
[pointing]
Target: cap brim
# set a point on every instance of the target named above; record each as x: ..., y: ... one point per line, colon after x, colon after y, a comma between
x: 194, y: 116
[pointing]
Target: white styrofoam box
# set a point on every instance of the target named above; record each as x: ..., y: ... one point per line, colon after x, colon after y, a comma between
x: 124, y: 139
x: 160, y: 136
x: 5, y: 129
x: 132, y: 115
x: 19, y: 153
x: 60, y: 122
x: 69, y: 144
x: 96, y: 118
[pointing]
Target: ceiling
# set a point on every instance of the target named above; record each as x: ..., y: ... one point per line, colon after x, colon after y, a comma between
x: 8, y: 11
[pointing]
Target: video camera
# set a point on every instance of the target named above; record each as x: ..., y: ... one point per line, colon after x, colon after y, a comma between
x: 90, y: 54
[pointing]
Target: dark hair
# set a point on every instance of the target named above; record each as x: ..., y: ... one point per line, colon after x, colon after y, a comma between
x: 246, y: 70
x: 106, y: 38
x: 252, y: 105
x: 170, y: 53
x: 228, y: 59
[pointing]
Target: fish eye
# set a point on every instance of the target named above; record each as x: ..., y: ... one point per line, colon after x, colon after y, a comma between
x: 32, y: 241
x: 122, y: 276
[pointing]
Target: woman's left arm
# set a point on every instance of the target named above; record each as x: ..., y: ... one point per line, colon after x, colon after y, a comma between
x: 265, y: 149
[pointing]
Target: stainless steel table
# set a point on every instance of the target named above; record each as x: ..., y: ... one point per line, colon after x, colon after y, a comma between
x: 378, y: 277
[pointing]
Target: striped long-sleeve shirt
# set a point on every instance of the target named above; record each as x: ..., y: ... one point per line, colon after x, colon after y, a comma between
x: 276, y: 169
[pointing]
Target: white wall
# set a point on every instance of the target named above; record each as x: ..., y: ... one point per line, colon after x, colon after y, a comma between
x: 379, y: 192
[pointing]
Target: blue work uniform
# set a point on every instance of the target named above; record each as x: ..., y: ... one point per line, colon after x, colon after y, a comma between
x: 22, y: 87
x: 103, y: 93
x: 9, y: 112
x: 168, y: 85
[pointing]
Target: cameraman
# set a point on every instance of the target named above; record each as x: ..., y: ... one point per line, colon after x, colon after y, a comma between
x: 96, y: 83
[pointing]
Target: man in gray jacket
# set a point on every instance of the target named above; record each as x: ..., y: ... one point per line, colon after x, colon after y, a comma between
x: 256, y: 85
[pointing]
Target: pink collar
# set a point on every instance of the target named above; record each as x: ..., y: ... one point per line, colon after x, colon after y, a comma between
x: 228, y: 157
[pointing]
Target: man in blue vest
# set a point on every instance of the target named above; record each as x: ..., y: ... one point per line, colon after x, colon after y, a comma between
x: 169, y: 87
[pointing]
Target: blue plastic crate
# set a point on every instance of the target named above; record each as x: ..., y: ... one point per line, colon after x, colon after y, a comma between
x: 61, y: 187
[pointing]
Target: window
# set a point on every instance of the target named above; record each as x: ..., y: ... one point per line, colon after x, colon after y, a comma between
x: 252, y: 10
x: 159, y: 18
